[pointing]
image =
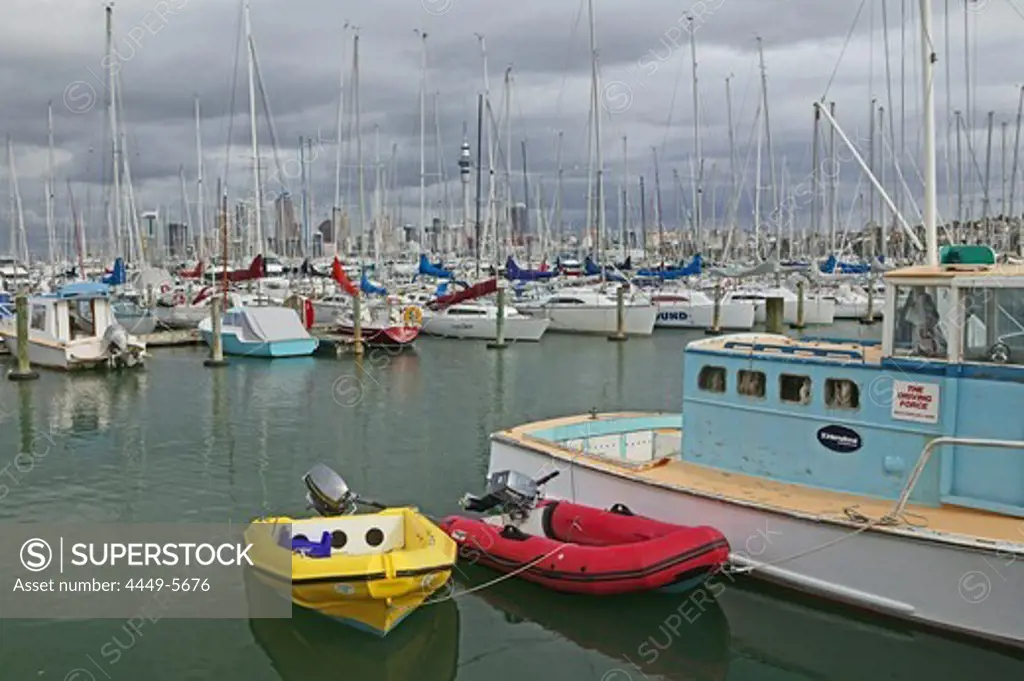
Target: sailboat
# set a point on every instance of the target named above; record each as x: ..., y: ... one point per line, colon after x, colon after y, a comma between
x: 883, y: 475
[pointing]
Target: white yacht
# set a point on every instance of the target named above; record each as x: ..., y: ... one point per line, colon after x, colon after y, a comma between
x: 73, y: 329
x: 684, y: 308
x: 479, y: 320
x: 818, y: 310
x: 587, y: 310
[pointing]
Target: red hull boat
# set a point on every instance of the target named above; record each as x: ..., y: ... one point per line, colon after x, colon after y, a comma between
x: 388, y: 336
x: 591, y: 551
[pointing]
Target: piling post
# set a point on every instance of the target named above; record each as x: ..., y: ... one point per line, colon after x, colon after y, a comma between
x: 357, y: 324
x: 216, y: 358
x: 150, y: 298
x: 499, y: 341
x: 24, y: 370
x: 620, y: 315
x: 774, y: 314
x: 799, y: 324
x: 716, y: 313
x: 869, y: 318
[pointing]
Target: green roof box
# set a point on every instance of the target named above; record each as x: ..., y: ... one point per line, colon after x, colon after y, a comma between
x: 967, y: 255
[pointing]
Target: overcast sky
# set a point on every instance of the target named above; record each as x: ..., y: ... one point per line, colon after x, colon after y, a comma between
x: 173, y: 50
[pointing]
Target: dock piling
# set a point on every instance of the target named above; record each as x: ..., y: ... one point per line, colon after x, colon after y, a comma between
x: 357, y: 324
x: 716, y: 313
x: 24, y: 370
x: 620, y: 312
x: 799, y: 307
x: 774, y: 314
x: 869, y: 318
x: 216, y: 358
x: 499, y: 341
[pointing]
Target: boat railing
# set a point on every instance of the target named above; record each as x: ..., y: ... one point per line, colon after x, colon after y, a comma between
x: 925, y: 457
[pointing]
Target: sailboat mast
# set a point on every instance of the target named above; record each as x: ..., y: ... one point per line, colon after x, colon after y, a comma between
x: 423, y: 133
x: 115, y: 152
x: 336, y: 208
x: 768, y: 145
x: 200, y: 203
x: 558, y: 192
x: 50, y: 189
x: 595, y: 89
x: 698, y: 163
x: 257, y: 196
x: 928, y: 58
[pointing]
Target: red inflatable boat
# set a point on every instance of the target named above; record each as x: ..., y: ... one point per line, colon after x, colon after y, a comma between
x: 589, y: 550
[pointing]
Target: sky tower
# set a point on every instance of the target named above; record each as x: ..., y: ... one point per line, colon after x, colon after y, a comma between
x: 464, y: 165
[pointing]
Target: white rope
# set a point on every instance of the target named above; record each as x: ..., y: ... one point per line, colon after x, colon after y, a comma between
x: 850, y: 512
x: 521, y: 569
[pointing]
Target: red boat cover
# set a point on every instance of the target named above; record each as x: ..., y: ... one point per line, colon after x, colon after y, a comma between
x: 589, y: 550
x: 193, y: 274
x: 475, y: 291
x: 255, y: 271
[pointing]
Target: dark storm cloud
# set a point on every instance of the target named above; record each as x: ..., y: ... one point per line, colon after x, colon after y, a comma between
x: 171, y: 51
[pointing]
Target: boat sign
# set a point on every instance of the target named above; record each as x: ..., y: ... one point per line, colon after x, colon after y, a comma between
x: 673, y: 316
x: 839, y: 439
x: 915, y: 401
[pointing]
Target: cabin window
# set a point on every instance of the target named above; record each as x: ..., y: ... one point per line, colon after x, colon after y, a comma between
x: 466, y: 312
x: 841, y: 393
x: 711, y: 379
x: 566, y: 301
x: 795, y: 389
x: 924, y: 315
x: 38, y: 319
x: 992, y: 326
x: 751, y: 383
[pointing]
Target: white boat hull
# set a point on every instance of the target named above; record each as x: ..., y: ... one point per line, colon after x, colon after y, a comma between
x: 639, y: 319
x: 817, y: 311
x: 81, y: 354
x: 516, y: 328
x: 732, y: 315
x: 941, y: 584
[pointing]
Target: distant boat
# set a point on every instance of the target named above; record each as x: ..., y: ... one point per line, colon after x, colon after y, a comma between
x: 261, y: 332
x: 585, y: 310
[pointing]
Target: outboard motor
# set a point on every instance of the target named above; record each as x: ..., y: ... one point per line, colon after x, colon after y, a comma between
x: 510, y: 493
x: 116, y: 340
x: 329, y: 494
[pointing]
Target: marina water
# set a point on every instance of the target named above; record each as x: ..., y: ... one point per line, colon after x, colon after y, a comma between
x: 181, y: 443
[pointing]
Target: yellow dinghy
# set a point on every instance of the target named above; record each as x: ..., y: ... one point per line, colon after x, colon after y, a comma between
x: 369, y: 570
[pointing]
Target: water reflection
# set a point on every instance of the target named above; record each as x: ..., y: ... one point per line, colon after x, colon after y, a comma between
x: 646, y: 635
x: 425, y: 647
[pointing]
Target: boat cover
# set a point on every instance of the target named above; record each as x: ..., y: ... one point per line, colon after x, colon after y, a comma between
x: 270, y: 324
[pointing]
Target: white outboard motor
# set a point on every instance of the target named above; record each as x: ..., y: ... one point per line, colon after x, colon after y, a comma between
x: 121, y: 351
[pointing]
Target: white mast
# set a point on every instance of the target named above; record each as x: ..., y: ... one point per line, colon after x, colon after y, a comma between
x: 200, y: 208
x: 51, y: 230
x: 361, y: 185
x: 928, y: 58
x: 257, y: 194
x: 624, y: 198
x: 697, y: 160
x: 337, y: 208
x: 19, y: 242
x: 115, y: 152
x: 423, y: 137
x: 507, y: 236
x: 595, y: 89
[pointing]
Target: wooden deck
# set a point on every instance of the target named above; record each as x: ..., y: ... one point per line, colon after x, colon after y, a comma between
x: 786, y: 498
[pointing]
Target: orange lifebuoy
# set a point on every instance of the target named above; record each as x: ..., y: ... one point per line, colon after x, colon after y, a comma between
x: 178, y: 298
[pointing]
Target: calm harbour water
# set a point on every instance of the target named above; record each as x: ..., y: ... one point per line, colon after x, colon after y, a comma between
x: 181, y: 443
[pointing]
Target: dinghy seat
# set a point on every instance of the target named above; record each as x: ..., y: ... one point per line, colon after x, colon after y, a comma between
x: 321, y: 549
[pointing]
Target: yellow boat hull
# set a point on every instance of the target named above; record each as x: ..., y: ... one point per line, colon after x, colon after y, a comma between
x: 373, y: 584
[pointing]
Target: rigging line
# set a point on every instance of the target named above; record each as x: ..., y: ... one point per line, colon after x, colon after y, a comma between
x: 1015, y: 8
x: 846, y: 44
x: 568, y: 56
x: 231, y: 106
x: 672, y: 104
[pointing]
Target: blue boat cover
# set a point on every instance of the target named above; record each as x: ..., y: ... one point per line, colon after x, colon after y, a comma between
x: 117, y: 276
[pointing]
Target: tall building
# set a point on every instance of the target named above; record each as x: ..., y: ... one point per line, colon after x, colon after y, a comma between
x: 286, y: 227
x: 520, y: 224
x: 177, y: 240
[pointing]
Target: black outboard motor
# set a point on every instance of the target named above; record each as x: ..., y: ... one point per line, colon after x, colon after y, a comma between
x: 328, y: 493
x: 508, y: 492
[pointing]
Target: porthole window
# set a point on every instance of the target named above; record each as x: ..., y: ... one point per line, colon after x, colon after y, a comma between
x: 841, y: 393
x: 751, y: 383
x: 338, y: 539
x: 711, y: 379
x: 374, y: 537
x: 795, y: 389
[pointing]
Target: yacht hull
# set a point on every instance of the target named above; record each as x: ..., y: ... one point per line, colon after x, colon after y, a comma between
x: 732, y: 316
x: 639, y: 319
x: 529, y: 329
